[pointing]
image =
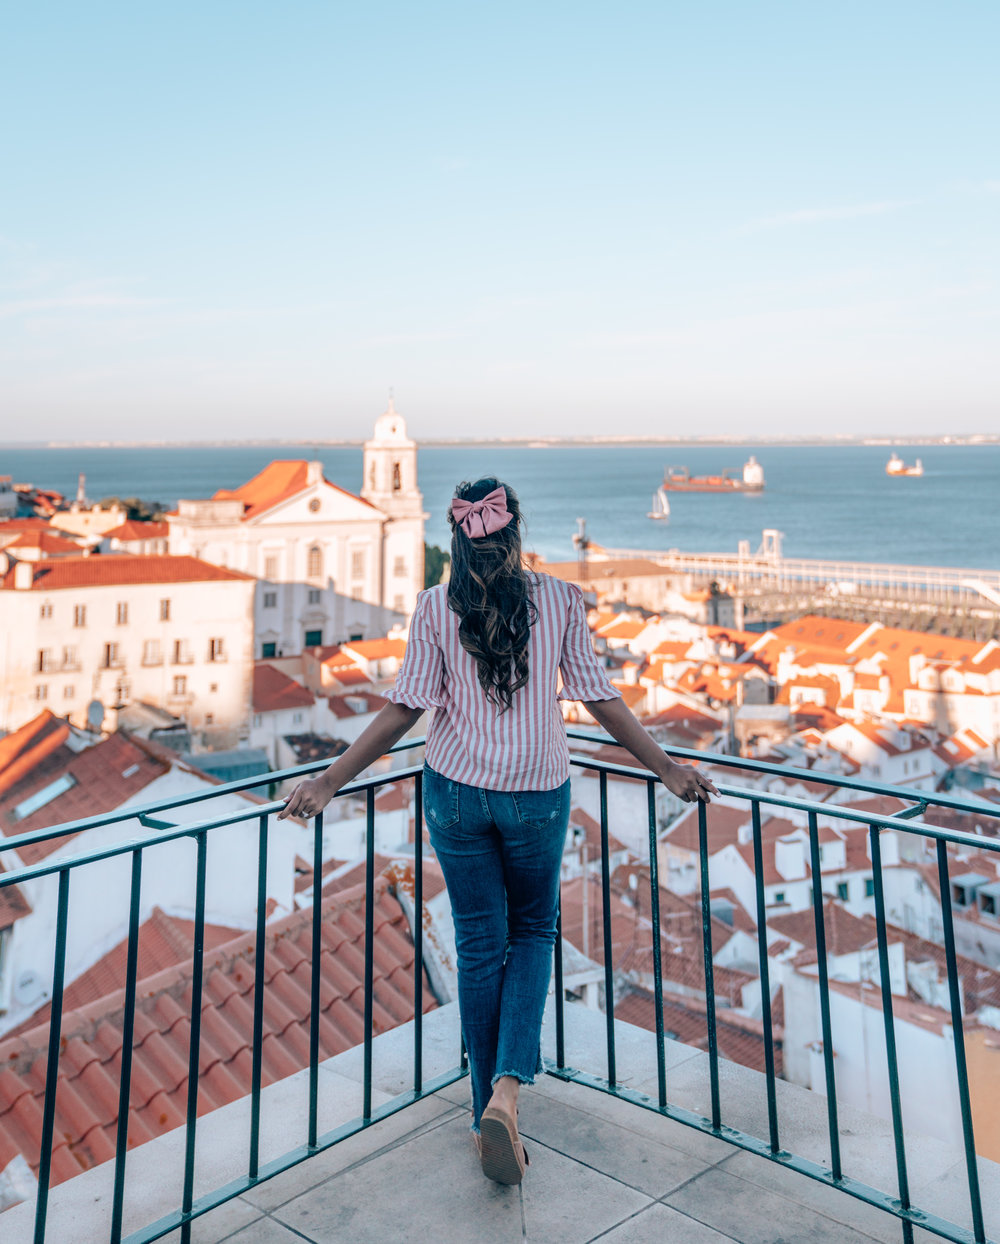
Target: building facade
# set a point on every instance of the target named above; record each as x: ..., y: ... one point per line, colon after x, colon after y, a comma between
x: 173, y: 632
x: 330, y: 566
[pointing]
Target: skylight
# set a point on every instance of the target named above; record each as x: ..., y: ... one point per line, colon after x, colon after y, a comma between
x: 44, y: 796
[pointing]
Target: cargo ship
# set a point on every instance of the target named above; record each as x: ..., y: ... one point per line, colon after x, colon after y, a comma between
x: 896, y: 466
x: 680, y: 479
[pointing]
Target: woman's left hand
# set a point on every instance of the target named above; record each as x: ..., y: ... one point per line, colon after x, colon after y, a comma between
x: 308, y: 798
x: 688, y: 784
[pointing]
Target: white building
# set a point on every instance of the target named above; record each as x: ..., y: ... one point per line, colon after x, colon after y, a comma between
x: 51, y: 773
x: 331, y: 566
x: 173, y: 632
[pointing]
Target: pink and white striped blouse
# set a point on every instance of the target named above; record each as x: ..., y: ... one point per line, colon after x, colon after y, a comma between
x: 468, y: 740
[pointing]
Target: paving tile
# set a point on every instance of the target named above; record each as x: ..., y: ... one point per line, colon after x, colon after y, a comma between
x: 659, y: 1224
x: 428, y: 1188
x: 752, y: 1214
x: 566, y: 1202
x: 388, y: 1132
x: 641, y: 1160
x: 219, y: 1224
x: 265, y: 1231
x: 821, y: 1197
x: 637, y: 1119
x: 866, y: 1141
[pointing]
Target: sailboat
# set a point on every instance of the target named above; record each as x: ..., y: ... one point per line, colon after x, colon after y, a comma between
x: 661, y: 504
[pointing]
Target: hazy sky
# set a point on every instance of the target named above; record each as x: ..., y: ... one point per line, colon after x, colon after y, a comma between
x: 712, y: 216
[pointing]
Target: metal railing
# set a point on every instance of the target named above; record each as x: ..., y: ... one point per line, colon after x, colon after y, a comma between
x: 152, y: 816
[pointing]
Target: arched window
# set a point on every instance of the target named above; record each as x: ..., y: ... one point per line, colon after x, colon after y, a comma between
x: 314, y: 565
x: 397, y: 482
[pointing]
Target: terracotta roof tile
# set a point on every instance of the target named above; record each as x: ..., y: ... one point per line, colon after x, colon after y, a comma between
x: 119, y: 571
x: 274, y: 691
x: 740, y: 1039
x: 134, y: 529
x: 104, y: 777
x: 279, y: 481
x: 46, y: 542
x: 90, y: 1066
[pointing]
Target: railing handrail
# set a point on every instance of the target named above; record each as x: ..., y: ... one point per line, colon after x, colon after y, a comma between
x: 935, y: 799
x: 172, y: 832
x: 179, y: 801
x: 939, y: 799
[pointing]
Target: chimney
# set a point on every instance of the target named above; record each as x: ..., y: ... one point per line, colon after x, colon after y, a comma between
x: 790, y: 858
x: 24, y: 575
x: 314, y: 472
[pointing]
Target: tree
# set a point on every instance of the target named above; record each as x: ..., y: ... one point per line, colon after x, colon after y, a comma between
x: 436, y: 565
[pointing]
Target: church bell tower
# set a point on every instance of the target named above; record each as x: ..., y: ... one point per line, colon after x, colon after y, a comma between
x: 390, y: 483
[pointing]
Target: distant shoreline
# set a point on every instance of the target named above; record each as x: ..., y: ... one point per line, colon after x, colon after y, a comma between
x: 536, y: 442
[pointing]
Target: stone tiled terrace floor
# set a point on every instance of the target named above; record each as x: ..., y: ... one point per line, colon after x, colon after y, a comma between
x: 601, y: 1169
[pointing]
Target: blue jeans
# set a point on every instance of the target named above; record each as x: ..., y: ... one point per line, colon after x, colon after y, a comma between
x: 500, y: 853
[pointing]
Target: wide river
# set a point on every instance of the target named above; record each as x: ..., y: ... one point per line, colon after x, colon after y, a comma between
x: 830, y: 501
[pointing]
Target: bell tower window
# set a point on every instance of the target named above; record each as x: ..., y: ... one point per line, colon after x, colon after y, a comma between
x: 397, y: 482
x: 314, y: 568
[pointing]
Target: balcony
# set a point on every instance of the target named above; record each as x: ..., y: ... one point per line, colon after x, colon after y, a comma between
x: 633, y: 1136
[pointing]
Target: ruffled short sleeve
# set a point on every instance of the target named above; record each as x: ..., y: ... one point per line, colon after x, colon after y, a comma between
x: 420, y: 681
x: 583, y: 676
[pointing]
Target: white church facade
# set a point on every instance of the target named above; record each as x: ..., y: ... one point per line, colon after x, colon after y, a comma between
x: 330, y: 566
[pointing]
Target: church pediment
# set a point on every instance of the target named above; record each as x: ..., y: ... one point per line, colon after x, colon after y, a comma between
x: 319, y: 503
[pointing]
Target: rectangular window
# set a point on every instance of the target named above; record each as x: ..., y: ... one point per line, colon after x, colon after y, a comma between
x: 843, y: 891
x: 313, y: 639
x: 79, y: 615
x: 271, y: 566
x: 216, y: 650
x: 182, y: 653
x: 357, y: 592
x: 780, y: 896
x: 110, y: 656
x: 164, y: 610
x: 180, y: 684
x: 358, y: 564
x: 121, y: 613
x: 45, y: 609
x: 70, y: 658
x: 41, y: 691
x: 356, y: 637
x: 209, y: 719
x: 268, y: 650
x: 869, y: 887
x: 44, y: 662
x: 69, y: 691
x: 399, y: 566
x: 314, y: 595
x: 270, y: 600
x: 399, y: 604
x: 152, y: 654
x: 988, y: 904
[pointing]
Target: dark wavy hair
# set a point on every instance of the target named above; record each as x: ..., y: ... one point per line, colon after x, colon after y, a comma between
x: 489, y: 589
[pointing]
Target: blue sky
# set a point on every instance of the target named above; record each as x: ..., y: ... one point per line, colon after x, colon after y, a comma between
x: 730, y: 217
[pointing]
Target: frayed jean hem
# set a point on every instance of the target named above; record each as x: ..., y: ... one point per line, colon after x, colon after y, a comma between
x: 515, y: 1075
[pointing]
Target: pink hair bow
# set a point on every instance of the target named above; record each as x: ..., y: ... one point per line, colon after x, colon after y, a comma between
x: 482, y: 518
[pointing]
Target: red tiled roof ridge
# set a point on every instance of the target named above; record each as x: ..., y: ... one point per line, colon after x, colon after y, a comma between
x: 121, y: 569
x: 24, y: 763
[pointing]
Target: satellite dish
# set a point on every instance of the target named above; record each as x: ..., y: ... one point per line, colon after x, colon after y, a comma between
x: 95, y: 714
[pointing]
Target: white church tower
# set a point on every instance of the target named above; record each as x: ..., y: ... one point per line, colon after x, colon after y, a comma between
x: 389, y: 481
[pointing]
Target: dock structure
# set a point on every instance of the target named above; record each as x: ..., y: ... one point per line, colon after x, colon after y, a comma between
x: 767, y: 585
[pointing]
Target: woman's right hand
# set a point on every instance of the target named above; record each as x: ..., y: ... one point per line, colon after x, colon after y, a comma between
x: 308, y: 798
